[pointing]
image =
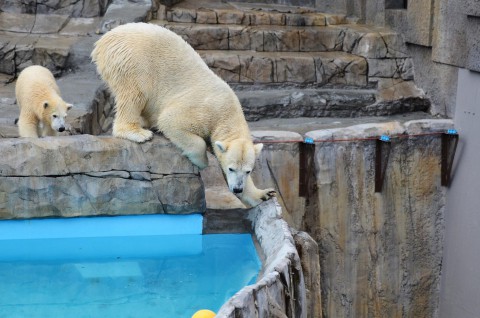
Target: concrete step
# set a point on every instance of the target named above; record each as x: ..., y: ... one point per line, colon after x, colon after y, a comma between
x: 287, y: 67
x: 258, y: 38
x: 292, y: 49
x: 247, y: 14
x: 292, y: 101
x: 263, y: 102
x: 303, y: 125
x: 369, y: 42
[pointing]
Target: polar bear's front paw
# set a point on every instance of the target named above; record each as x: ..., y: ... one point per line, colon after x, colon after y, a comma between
x: 268, y: 194
x: 142, y: 135
x: 138, y: 135
x: 201, y: 161
x: 254, y: 198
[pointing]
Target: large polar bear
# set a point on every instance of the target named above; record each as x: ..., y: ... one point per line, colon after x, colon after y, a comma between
x: 160, y: 82
x: 42, y: 110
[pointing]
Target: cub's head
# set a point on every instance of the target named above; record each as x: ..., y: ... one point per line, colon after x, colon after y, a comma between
x: 237, y: 159
x: 54, y: 114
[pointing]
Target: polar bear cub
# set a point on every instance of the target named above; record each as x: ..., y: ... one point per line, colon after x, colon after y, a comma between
x: 160, y: 82
x: 42, y: 110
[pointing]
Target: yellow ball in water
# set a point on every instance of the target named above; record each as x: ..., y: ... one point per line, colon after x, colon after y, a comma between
x: 204, y: 313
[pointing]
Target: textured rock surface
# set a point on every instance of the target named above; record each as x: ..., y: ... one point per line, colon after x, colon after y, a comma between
x: 309, y: 255
x: 86, y: 175
x: 456, y: 34
x: 371, y: 42
x: 277, y: 167
x: 123, y: 11
x: 442, y: 37
x: 380, y: 253
x: 74, y: 8
x: 420, y: 19
x: 290, y: 67
x: 393, y: 97
x: 279, y: 291
x: 230, y: 13
x: 18, y: 52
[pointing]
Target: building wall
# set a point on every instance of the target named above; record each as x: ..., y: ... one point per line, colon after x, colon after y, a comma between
x: 442, y: 36
x: 380, y: 252
x: 460, y: 282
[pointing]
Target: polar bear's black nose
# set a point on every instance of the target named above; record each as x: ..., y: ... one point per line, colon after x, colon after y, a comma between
x: 61, y: 129
x: 237, y: 190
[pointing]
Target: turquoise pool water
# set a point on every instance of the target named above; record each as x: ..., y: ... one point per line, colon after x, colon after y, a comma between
x: 141, y: 266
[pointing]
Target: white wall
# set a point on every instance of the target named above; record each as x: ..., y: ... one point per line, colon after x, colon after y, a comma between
x: 460, y: 284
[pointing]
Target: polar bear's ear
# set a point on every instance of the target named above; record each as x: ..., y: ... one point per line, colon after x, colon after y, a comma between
x: 258, y: 148
x: 69, y: 106
x: 221, y: 146
x: 45, y: 105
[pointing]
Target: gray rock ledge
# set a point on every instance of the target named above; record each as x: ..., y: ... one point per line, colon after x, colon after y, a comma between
x: 280, y: 289
x: 85, y: 175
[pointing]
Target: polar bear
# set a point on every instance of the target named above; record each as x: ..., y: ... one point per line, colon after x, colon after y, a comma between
x: 160, y: 82
x: 42, y: 110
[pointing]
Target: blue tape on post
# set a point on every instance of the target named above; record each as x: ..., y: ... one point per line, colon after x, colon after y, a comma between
x: 309, y: 140
x: 452, y: 132
x: 384, y: 138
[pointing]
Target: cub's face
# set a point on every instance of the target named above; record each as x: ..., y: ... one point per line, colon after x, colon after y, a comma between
x: 237, y: 159
x: 56, y: 114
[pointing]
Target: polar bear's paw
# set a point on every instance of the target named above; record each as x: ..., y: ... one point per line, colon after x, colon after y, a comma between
x: 200, y: 160
x: 138, y: 135
x: 254, y: 197
x: 268, y: 194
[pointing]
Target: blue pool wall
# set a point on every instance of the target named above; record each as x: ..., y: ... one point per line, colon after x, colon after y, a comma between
x: 131, y: 225
x: 119, y: 237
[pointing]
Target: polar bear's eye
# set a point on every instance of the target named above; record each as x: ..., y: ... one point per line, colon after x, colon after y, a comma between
x: 248, y: 172
x: 54, y: 116
x: 231, y: 169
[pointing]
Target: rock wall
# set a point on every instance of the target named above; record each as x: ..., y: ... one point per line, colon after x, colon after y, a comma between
x: 278, y: 167
x: 280, y: 291
x: 87, y: 175
x: 380, y: 253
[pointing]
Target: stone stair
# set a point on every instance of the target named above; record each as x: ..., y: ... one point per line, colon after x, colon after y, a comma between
x: 282, y: 61
x: 298, y: 62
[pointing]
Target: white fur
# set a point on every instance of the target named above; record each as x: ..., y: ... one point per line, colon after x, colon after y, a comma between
x: 158, y: 79
x: 42, y: 110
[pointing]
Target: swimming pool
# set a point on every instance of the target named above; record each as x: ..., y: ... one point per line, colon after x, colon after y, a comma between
x: 128, y: 266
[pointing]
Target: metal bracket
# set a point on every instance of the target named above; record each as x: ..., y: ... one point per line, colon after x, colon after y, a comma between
x: 382, y: 154
x: 449, y: 146
x: 307, y: 153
